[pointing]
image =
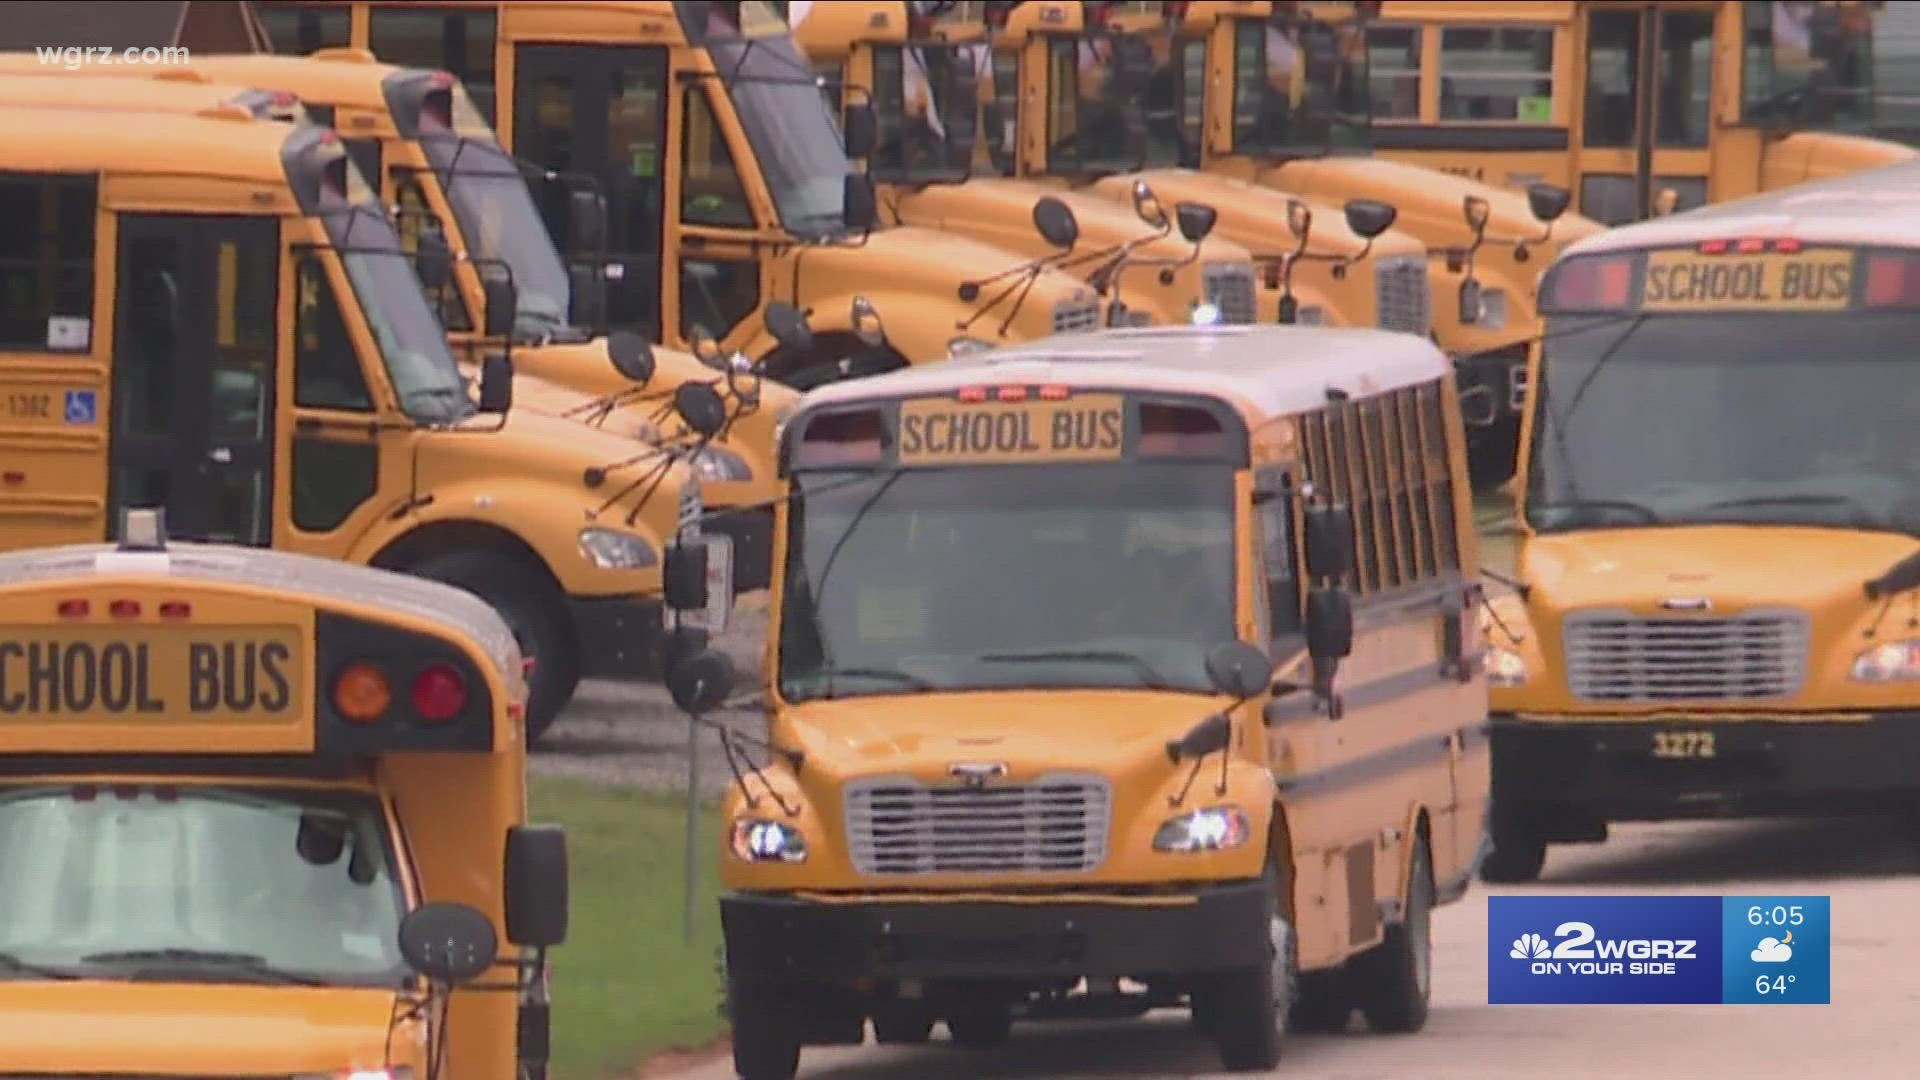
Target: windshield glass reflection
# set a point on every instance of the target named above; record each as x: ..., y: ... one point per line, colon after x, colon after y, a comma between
x: 412, y: 344
x: 794, y: 136
x: 498, y: 220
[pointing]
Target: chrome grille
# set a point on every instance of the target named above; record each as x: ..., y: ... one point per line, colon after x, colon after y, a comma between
x: 1618, y: 656
x: 1057, y: 823
x: 1076, y: 316
x: 692, y: 505
x: 1229, y: 287
x: 1400, y: 284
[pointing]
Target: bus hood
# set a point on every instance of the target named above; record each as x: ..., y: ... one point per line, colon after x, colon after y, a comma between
x: 1254, y: 215
x: 913, y: 277
x: 1729, y: 567
x: 1815, y: 155
x: 87, y: 1028
x: 1112, y: 732
x: 1431, y: 202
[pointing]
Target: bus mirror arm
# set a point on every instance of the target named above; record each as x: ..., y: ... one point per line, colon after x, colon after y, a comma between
x: 1902, y: 576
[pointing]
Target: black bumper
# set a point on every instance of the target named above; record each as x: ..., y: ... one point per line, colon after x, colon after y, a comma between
x: 1655, y: 770
x: 781, y: 937
x: 618, y: 637
x: 752, y: 533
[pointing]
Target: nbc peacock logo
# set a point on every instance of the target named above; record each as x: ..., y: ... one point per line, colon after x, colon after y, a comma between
x: 1529, y: 947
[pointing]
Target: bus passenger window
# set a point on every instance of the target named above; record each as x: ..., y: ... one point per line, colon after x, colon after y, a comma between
x: 1393, y: 71
x: 46, y: 263
x: 1277, y: 554
x: 299, y: 29
x: 1686, y: 78
x: 1496, y: 73
x: 326, y: 370
x: 1613, y: 77
x: 459, y: 42
x: 710, y: 188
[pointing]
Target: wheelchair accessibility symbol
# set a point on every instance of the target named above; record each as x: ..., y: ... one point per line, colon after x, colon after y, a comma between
x: 80, y: 407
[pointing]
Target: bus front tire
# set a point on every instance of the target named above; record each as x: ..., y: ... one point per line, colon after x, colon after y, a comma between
x: 534, y: 618
x: 1394, y: 979
x: 1247, y: 1010
x: 766, y: 1033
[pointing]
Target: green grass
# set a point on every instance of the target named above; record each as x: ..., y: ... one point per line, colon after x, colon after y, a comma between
x: 626, y: 983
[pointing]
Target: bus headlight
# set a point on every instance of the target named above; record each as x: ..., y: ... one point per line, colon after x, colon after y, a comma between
x: 1204, y: 314
x: 1493, y: 310
x: 761, y: 840
x: 1895, y: 661
x: 967, y: 346
x: 1505, y: 668
x: 1215, y: 828
x: 717, y: 466
x: 610, y: 549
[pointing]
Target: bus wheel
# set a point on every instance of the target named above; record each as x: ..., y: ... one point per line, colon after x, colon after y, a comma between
x: 1247, y: 1010
x: 766, y: 1034
x: 539, y: 631
x: 1394, y: 979
x: 1517, y: 857
x: 981, y: 1024
x: 902, y: 1022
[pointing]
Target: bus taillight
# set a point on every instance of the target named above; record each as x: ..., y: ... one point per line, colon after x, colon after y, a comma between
x: 439, y: 693
x: 1595, y: 283
x: 1893, y: 281
x: 361, y: 693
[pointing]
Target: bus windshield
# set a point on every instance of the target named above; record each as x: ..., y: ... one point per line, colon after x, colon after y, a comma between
x: 197, y: 883
x: 498, y: 220
x: 1112, y: 104
x: 1765, y: 418
x: 925, y: 108
x: 981, y: 578
x: 792, y: 131
x: 413, y: 348
x: 1299, y: 87
x: 1826, y: 66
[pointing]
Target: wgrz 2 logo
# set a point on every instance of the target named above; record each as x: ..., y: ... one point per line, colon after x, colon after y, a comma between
x: 1566, y: 950
x: 1580, y: 952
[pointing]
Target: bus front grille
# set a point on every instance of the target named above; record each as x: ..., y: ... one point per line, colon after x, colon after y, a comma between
x: 1617, y: 656
x: 1229, y: 287
x: 1405, y: 304
x: 1056, y: 823
x: 1076, y: 316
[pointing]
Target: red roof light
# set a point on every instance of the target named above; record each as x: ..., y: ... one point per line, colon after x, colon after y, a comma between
x: 1012, y: 393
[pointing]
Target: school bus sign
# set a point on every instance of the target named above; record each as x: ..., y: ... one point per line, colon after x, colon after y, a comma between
x: 1686, y: 280
x: 949, y: 431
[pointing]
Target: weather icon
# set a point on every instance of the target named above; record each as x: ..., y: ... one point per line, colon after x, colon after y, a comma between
x: 1773, y: 950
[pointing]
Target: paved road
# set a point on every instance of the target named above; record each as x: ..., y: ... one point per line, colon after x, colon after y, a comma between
x: 1872, y: 1029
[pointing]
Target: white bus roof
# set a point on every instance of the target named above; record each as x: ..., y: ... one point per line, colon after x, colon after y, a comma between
x: 1874, y: 206
x: 1267, y: 370
x: 321, y: 582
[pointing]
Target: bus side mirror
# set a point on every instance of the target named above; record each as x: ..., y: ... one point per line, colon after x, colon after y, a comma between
x: 1470, y: 303
x: 704, y: 412
x: 536, y: 893
x: 1368, y: 218
x: 631, y: 356
x: 1195, y: 220
x: 700, y: 682
x: 587, y: 287
x: 788, y: 325
x: 1146, y: 205
x: 449, y: 943
x: 1329, y: 536
x: 859, y: 207
x: 496, y: 384
x: 586, y: 221
x: 1054, y: 221
x: 1329, y: 624
x: 432, y: 261
x: 861, y: 129
x: 1240, y: 669
x: 684, y: 577
x: 503, y: 304
x: 1548, y: 201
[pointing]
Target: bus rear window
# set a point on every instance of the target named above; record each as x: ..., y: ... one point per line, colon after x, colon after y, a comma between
x: 1179, y: 431
x: 850, y: 437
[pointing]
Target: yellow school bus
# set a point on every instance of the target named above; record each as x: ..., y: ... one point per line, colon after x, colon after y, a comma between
x: 264, y: 815
x: 725, y: 175
x: 214, y: 314
x: 1623, y: 103
x: 923, y: 88
x: 1150, y: 655
x: 451, y: 182
x: 1719, y: 513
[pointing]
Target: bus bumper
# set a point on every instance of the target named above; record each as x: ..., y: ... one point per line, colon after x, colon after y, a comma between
x: 619, y: 637
x: 752, y: 533
x: 785, y: 937
x: 1548, y: 770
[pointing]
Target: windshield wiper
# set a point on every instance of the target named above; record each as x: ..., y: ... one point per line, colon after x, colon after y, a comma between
x: 1640, y: 510
x: 250, y: 963
x: 1140, y: 666
x: 12, y: 963
x: 907, y: 678
x: 1805, y: 498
